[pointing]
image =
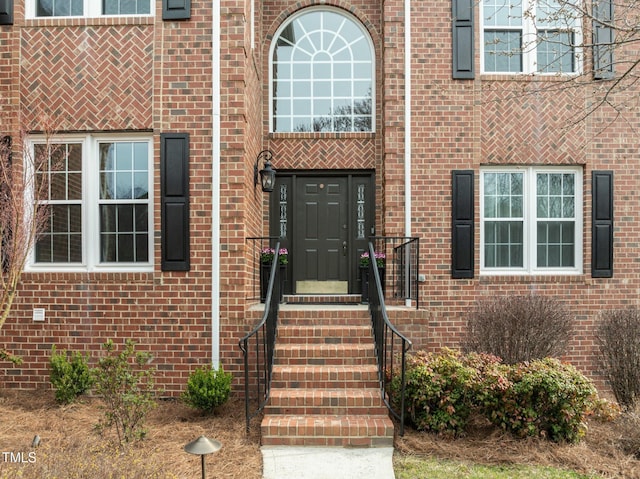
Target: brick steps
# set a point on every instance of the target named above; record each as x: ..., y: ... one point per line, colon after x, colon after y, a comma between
x: 326, y: 430
x: 326, y: 401
x: 336, y: 376
x: 325, y: 389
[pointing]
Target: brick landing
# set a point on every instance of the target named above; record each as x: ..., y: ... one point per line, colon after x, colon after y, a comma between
x: 325, y: 389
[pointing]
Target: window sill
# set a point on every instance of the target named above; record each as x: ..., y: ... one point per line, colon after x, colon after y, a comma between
x: 321, y: 136
x: 89, y: 21
x: 528, y: 77
x: 527, y: 278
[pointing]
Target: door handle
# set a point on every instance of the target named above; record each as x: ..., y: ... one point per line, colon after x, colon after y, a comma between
x: 344, y: 248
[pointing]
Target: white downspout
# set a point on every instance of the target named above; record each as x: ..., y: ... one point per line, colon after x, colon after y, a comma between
x: 407, y: 122
x: 215, y: 186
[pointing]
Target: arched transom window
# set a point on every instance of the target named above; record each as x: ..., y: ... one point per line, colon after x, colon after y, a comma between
x: 322, y: 74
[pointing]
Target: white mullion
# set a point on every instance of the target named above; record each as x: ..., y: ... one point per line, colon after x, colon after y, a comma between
x: 91, y: 209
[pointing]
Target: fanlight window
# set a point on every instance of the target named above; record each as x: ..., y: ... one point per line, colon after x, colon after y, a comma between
x: 322, y: 75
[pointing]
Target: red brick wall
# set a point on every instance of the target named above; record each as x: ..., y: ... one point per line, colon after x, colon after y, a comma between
x: 119, y: 75
x: 155, y: 76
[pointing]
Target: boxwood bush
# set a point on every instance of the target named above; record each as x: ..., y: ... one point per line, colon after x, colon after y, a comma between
x: 207, y: 388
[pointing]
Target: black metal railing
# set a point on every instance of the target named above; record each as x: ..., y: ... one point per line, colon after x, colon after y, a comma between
x: 402, y: 266
x: 258, y: 346
x: 391, y: 347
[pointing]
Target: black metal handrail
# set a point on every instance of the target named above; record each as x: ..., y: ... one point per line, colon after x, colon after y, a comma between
x: 391, y: 346
x: 257, y: 378
x: 402, y: 263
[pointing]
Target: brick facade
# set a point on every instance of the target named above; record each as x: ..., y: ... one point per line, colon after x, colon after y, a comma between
x: 144, y: 74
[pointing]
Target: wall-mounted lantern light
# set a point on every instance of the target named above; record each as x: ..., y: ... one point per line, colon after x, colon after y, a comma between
x: 202, y: 447
x: 267, y: 174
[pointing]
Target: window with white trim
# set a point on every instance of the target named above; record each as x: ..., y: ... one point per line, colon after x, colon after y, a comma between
x: 322, y: 72
x: 531, y: 220
x: 531, y: 36
x: 89, y: 8
x: 100, y: 204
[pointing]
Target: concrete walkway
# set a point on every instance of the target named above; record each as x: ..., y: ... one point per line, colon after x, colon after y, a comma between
x: 289, y: 462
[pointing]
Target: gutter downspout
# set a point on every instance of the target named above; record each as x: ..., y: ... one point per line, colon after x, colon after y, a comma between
x: 407, y: 123
x: 215, y: 186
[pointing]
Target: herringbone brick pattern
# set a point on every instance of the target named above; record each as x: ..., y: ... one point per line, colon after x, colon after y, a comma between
x: 319, y: 153
x: 528, y: 126
x: 90, y: 78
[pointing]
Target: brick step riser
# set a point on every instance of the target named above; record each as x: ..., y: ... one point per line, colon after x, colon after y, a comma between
x: 364, y: 353
x: 286, y: 383
x: 323, y: 378
x: 325, y: 410
x: 330, y: 321
x: 328, y: 398
x: 323, y: 441
x: 324, y: 337
x: 366, y: 431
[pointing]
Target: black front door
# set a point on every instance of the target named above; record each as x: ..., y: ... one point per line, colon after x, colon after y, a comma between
x: 320, y: 235
x: 324, y: 220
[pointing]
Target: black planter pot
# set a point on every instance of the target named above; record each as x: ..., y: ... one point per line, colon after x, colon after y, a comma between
x: 265, y: 269
x: 364, y: 275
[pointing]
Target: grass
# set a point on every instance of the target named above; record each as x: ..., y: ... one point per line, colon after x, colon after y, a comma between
x: 414, y: 467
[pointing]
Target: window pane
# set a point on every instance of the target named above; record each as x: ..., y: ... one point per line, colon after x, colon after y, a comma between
x: 503, y: 195
x: 502, y: 51
x: 556, y: 244
x: 61, y: 242
x: 58, y: 8
x: 504, y: 245
x: 122, y: 228
x: 502, y: 13
x: 556, y: 195
x: 330, y: 51
x: 555, y: 52
x: 126, y: 7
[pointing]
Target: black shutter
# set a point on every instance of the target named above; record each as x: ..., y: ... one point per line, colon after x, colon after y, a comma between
x: 176, y: 9
x: 603, y: 40
x: 462, y: 224
x: 6, y: 12
x: 602, y: 224
x: 463, y: 57
x: 174, y: 178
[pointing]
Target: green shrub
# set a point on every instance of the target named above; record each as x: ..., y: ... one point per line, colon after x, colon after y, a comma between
x: 543, y: 398
x: 126, y: 383
x: 439, y: 391
x: 207, y: 388
x: 70, y: 375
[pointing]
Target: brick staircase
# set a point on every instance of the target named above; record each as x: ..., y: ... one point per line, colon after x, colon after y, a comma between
x: 325, y: 389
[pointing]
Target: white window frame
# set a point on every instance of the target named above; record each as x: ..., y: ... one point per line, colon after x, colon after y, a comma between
x: 530, y: 219
x: 91, y: 206
x: 91, y: 9
x: 367, y: 38
x: 530, y: 50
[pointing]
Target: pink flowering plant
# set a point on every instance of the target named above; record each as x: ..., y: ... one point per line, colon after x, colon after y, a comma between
x: 379, y: 256
x: 267, y: 255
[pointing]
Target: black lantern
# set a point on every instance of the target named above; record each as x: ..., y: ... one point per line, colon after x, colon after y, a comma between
x: 267, y: 174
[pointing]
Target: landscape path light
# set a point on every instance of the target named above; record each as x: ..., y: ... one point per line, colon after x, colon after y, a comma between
x: 203, y: 446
